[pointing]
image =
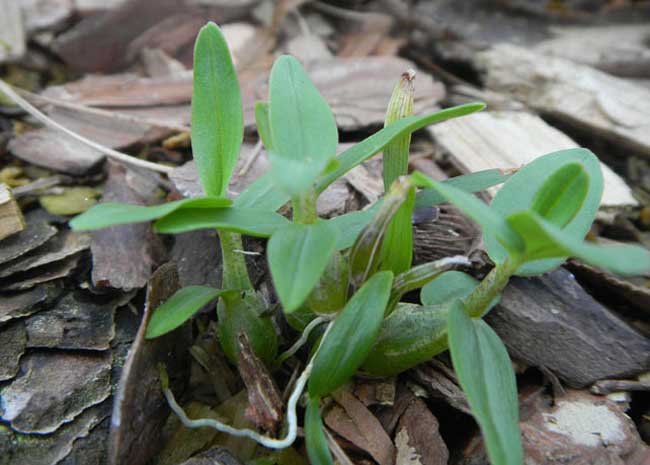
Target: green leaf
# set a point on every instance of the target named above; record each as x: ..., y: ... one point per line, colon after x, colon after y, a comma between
x: 365, y: 253
x: 544, y: 239
x: 396, y: 253
x: 379, y: 140
x: 303, y: 129
x: 298, y: 254
x: 447, y: 287
x: 351, y: 224
x: 410, y: 335
x: 315, y: 441
x: 112, y: 213
x: 244, y: 312
x: 252, y: 222
x: 261, y: 193
x: 263, y: 125
x: 561, y: 196
x: 348, y: 343
x: 488, y: 219
x: 472, y: 182
x: 520, y: 191
x: 485, y: 373
x: 217, y: 115
x: 179, y: 308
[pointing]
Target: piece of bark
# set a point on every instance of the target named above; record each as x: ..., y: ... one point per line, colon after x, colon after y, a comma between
x: 551, y: 321
x: 265, y: 408
x: 580, y: 429
x: 368, y: 185
x: 20, y: 304
x: 376, y: 392
x: 53, y: 389
x: 508, y: 139
x: 357, y: 424
x: 77, y: 321
x: 441, y: 384
x: 418, y: 433
x: 13, y: 41
x: 37, y: 233
x: 140, y: 409
x: 197, y: 255
x: 621, y: 50
x: 12, y: 346
x: 64, y: 245
x: 44, y: 274
x: 608, y: 386
x: 612, y: 108
x: 124, y: 255
x: 11, y: 217
x: 36, y: 449
x: 91, y: 448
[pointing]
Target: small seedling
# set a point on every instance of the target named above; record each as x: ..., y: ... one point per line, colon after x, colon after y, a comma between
x: 349, y: 273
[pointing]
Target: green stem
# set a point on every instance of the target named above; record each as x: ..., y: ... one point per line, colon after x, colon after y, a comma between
x: 304, y: 207
x: 477, y: 302
x: 235, y: 273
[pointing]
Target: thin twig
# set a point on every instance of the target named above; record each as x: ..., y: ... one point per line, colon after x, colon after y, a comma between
x: 251, y: 159
x: 114, y: 154
x: 292, y: 420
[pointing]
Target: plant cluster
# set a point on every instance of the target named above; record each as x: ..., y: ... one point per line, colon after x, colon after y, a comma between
x: 349, y: 273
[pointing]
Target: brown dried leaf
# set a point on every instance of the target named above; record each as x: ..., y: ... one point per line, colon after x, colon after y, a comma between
x: 422, y: 437
x: 265, y: 408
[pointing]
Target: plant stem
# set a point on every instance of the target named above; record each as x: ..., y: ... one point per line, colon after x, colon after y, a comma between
x: 490, y: 287
x: 304, y: 207
x: 235, y: 273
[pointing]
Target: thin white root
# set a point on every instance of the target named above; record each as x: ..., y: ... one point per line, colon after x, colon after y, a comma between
x: 271, y: 443
x: 111, y: 153
x: 303, y: 338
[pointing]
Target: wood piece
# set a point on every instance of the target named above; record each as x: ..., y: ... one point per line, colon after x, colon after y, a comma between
x: 11, y: 217
x: 621, y: 50
x: 44, y: 274
x: 418, y: 435
x: 123, y: 256
x: 139, y: 409
x: 16, y: 305
x: 12, y: 32
x: 12, y: 346
x: 551, y: 321
x: 54, y: 388
x: 511, y: 139
x: 611, y: 108
x: 38, y: 232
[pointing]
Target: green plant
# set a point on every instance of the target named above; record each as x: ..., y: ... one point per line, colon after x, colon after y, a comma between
x: 350, y: 272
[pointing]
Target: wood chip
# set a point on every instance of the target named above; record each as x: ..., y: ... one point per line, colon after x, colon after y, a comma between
x: 123, y: 256
x: 140, y: 410
x: 12, y: 346
x: 358, y: 425
x: 77, y: 321
x: 64, y: 245
x: 419, y: 433
x: 621, y: 50
x: 609, y: 107
x: 12, y: 33
x: 509, y: 139
x: 38, y: 232
x: 45, y: 274
x: 11, y: 217
x: 20, y: 304
x: 551, y: 321
x: 53, y: 389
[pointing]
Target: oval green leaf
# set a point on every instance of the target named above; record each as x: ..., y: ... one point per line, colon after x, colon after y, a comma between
x: 519, y: 192
x: 108, y: 214
x: 447, y: 287
x: 315, y: 441
x: 252, y: 222
x: 410, y: 335
x: 354, y: 331
x: 560, y: 198
x: 485, y: 373
x: 298, y: 255
x: 263, y: 125
x: 179, y: 308
x: 217, y: 114
x: 544, y: 239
